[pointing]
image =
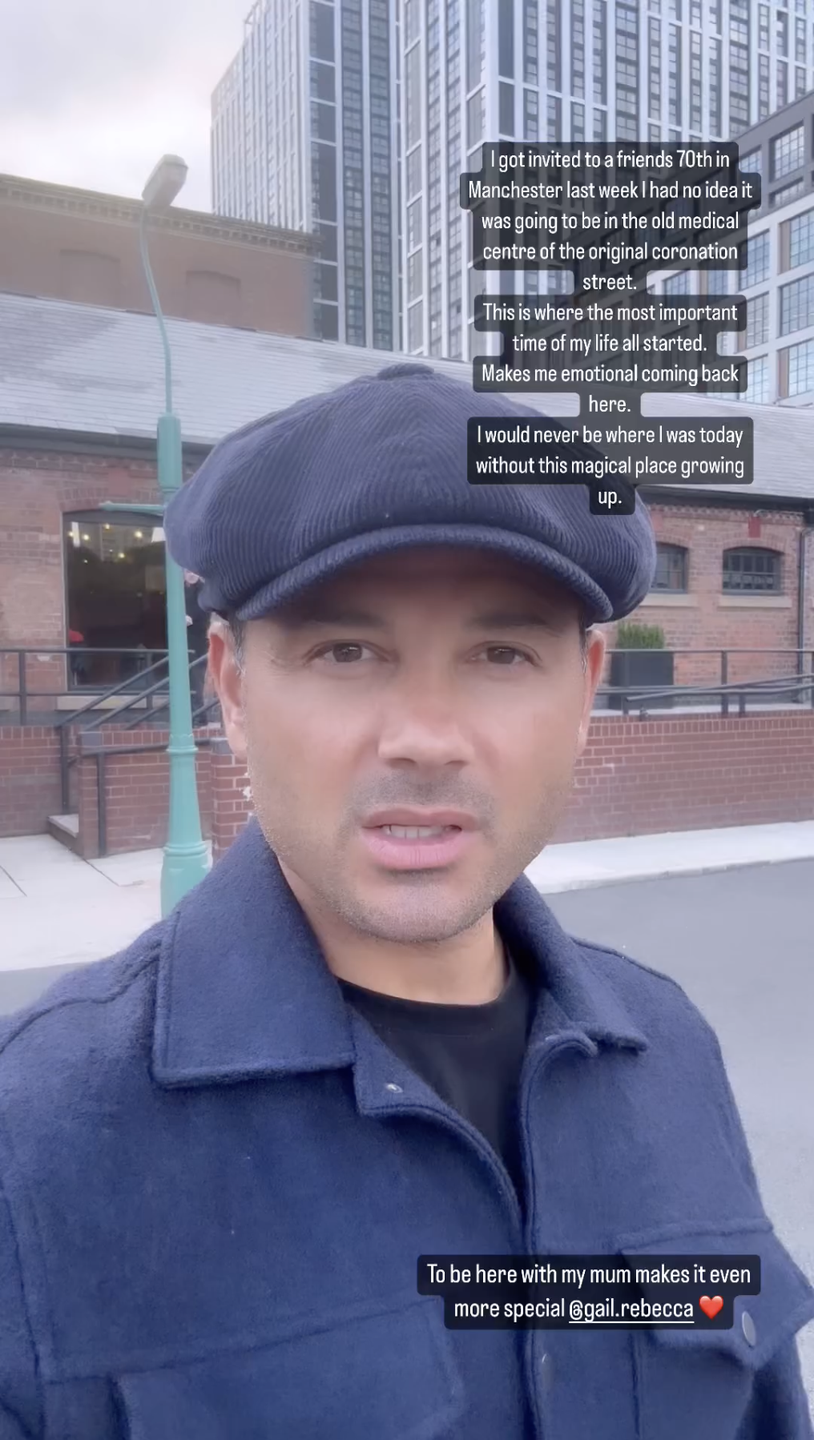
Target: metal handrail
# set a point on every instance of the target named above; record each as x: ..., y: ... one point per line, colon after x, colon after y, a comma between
x: 784, y: 684
x: 23, y: 694
x: 100, y: 756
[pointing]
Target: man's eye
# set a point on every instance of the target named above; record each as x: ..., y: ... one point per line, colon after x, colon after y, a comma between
x: 505, y: 654
x: 343, y: 652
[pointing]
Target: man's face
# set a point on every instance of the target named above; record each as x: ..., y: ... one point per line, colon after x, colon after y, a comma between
x: 423, y: 681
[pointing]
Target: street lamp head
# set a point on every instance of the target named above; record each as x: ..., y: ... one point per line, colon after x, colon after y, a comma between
x: 165, y: 182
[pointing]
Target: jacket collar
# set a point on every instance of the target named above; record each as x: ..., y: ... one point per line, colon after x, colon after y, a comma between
x: 243, y: 989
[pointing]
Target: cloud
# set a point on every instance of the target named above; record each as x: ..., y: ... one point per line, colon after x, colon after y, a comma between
x: 93, y: 93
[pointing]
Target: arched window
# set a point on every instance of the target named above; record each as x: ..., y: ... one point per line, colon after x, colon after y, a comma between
x: 750, y: 568
x: 671, y: 568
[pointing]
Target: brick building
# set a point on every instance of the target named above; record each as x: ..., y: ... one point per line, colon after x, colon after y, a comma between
x: 80, y: 393
x: 78, y: 408
x: 64, y: 243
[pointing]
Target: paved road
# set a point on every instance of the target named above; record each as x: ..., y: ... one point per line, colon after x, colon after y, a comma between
x: 740, y: 942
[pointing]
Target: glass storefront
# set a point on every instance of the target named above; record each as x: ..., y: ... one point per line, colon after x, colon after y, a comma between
x: 115, y: 595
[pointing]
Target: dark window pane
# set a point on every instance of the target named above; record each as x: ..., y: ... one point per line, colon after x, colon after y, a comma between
x: 327, y: 235
x: 327, y: 322
x: 505, y: 33
x: 324, y: 121
x: 506, y: 118
x: 325, y: 282
x: 752, y: 569
x: 322, y: 31
x: 671, y: 568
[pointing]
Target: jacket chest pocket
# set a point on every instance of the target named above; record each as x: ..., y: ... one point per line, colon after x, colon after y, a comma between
x: 701, y: 1383
x: 389, y: 1375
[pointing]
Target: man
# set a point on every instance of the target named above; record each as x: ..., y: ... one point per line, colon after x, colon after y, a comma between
x: 364, y: 1037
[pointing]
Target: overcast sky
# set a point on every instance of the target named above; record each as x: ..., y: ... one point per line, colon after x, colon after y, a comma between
x: 94, y: 92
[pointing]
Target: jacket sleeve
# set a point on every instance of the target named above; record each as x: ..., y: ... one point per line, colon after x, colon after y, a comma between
x: 778, y: 1408
x: 20, y: 1408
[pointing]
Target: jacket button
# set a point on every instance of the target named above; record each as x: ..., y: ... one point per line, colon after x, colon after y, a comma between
x: 748, y: 1328
x: 546, y: 1372
x: 396, y: 1088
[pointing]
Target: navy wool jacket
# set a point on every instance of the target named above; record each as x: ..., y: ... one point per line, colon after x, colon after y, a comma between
x: 216, y: 1180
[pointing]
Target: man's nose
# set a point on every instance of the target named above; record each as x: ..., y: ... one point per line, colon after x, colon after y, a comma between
x: 425, y: 728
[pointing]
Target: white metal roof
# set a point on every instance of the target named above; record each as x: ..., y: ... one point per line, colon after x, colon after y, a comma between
x: 90, y: 370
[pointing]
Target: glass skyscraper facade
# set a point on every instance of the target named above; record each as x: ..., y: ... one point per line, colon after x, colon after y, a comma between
x: 567, y: 70
x: 305, y: 136
x: 356, y: 118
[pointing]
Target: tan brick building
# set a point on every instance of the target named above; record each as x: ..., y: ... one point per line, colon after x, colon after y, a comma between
x: 63, y: 243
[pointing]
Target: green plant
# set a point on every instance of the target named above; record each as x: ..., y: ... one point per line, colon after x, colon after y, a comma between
x: 639, y: 637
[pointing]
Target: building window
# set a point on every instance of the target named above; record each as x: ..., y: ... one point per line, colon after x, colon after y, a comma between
x: 414, y: 172
x: 757, y: 382
x: 757, y: 320
x: 506, y: 109
x: 756, y: 268
x: 750, y: 165
x: 678, y: 284
x: 554, y: 108
x: 762, y: 87
x: 505, y: 38
x: 474, y: 42
x: 671, y: 568
x: 322, y: 31
x: 752, y: 569
x: 412, y: 95
x: 797, y: 305
x: 414, y: 276
x: 415, y: 327
x: 787, y: 193
x: 530, y: 42
x: 474, y: 118
x: 798, y: 240
x: 115, y: 593
x: 800, y: 368
x: 530, y: 115
x: 787, y: 151
x: 554, y: 42
x: 414, y: 224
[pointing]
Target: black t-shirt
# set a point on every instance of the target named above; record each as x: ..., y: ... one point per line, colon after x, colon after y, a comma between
x: 471, y: 1055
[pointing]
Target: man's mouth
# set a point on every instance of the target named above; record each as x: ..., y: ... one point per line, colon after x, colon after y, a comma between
x: 416, y: 832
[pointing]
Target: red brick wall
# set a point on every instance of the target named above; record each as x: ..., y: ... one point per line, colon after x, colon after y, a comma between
x: 709, y: 622
x: 635, y: 778
x: 37, y: 490
x: 136, y: 791
x: 29, y: 779
x: 642, y: 777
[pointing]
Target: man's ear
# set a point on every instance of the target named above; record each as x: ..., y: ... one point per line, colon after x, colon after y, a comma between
x: 595, y: 652
x: 228, y: 683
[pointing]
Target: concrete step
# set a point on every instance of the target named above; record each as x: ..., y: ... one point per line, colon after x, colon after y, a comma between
x: 65, y: 829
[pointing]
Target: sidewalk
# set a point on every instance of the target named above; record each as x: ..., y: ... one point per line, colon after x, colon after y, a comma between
x: 56, y: 909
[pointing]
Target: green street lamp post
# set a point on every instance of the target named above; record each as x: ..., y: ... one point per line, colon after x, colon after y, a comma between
x: 186, y: 860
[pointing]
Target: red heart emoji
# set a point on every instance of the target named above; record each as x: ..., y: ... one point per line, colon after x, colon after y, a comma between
x: 711, y: 1307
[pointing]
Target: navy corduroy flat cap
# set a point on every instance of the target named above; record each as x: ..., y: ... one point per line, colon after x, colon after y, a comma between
x: 377, y: 465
